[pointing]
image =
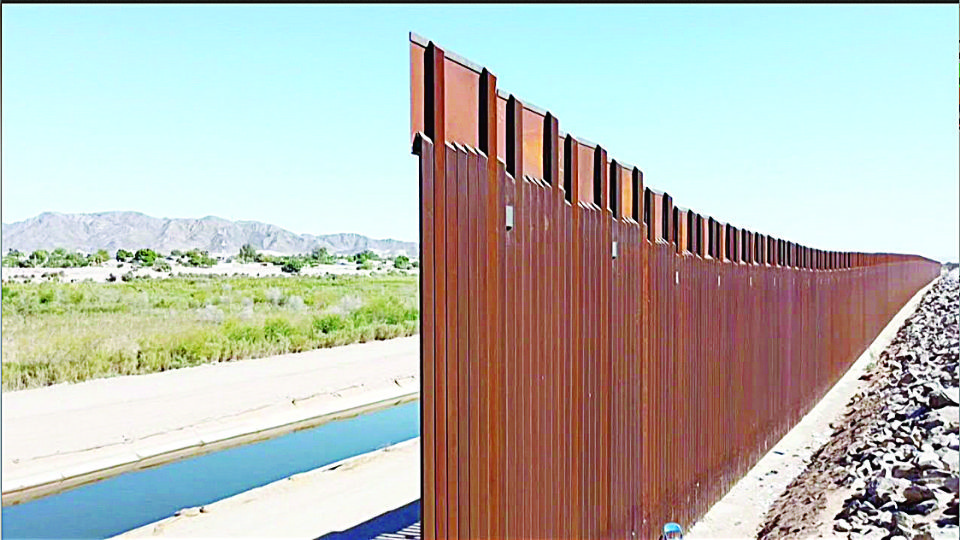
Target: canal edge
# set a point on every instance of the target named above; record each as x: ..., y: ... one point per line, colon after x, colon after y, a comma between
x: 21, y: 490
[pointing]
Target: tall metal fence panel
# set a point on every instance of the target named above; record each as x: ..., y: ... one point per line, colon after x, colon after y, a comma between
x: 596, y: 360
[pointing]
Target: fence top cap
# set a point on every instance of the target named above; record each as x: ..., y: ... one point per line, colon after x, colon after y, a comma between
x: 450, y: 55
x: 585, y: 142
x: 533, y: 108
x: 418, y: 39
x: 503, y: 94
x: 628, y: 167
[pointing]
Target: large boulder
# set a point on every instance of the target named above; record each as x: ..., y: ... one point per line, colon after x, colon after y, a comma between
x: 916, y: 493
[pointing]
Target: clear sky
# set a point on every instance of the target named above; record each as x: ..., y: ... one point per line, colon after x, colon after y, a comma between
x: 833, y: 126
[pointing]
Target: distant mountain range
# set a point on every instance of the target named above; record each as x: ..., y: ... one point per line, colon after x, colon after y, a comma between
x: 134, y: 230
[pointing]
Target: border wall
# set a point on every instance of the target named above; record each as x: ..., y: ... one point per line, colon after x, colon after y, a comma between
x: 596, y: 360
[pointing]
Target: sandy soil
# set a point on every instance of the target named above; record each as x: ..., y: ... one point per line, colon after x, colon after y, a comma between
x: 74, y: 432
x: 740, y: 513
x: 101, y: 273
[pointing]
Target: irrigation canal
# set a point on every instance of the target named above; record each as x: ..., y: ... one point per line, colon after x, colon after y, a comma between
x: 121, y: 503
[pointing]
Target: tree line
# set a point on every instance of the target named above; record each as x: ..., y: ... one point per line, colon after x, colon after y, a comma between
x: 197, y: 258
x: 320, y: 255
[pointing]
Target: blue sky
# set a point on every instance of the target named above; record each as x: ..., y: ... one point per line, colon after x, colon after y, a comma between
x: 833, y: 126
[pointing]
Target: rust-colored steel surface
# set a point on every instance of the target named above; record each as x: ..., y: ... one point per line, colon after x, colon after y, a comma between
x: 597, y: 361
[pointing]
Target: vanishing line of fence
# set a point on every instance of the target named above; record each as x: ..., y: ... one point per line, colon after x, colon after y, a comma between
x: 595, y: 360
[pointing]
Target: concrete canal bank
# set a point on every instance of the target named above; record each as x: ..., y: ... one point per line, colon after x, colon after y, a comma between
x: 136, y: 499
x: 64, y: 436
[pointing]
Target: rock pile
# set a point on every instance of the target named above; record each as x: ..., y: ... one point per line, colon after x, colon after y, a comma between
x: 902, y: 469
x: 891, y: 465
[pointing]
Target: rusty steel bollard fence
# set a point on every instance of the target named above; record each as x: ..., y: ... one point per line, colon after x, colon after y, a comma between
x: 596, y: 360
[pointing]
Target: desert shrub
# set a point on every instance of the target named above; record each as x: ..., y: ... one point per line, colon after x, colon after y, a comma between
x: 295, y: 303
x: 247, y: 254
x: 123, y: 255
x: 320, y: 255
x: 277, y: 329
x: 365, y: 255
x: 47, y: 296
x: 76, y: 296
x: 145, y: 256
x: 246, y: 334
x: 388, y: 331
x: 292, y: 265
x: 38, y: 258
x: 274, y: 296
x: 329, y: 323
x: 211, y: 314
x: 11, y: 261
x: 385, y: 309
x: 60, y: 258
x: 78, y: 332
x: 197, y: 258
x: 99, y: 257
x: 346, y: 305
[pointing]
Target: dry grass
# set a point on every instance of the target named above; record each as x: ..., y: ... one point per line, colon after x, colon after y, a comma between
x: 56, y: 332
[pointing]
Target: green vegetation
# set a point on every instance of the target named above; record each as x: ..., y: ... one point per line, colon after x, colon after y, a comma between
x: 12, y: 259
x: 70, y: 332
x: 38, y: 258
x: 364, y: 256
x: 145, y: 256
x: 59, y: 258
x: 292, y: 265
x: 321, y: 256
x: 197, y: 259
x: 247, y: 254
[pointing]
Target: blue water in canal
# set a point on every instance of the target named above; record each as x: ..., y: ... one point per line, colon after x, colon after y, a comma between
x: 133, y: 499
